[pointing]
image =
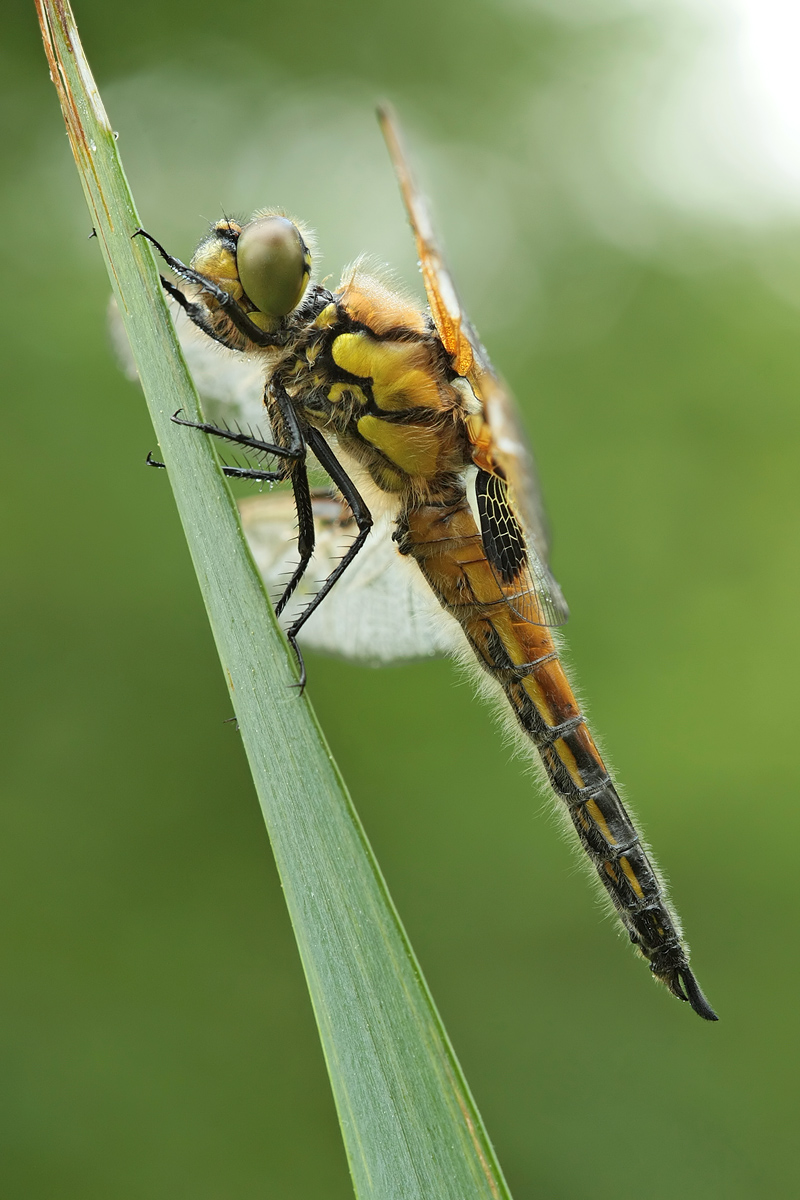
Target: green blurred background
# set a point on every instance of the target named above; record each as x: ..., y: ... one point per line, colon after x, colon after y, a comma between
x: 642, y: 298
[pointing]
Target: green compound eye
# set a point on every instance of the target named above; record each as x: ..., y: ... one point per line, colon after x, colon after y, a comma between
x: 274, y: 264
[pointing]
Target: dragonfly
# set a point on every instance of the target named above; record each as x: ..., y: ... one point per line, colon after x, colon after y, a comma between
x: 430, y: 535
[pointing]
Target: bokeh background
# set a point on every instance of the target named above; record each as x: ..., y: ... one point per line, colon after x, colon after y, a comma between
x: 618, y: 188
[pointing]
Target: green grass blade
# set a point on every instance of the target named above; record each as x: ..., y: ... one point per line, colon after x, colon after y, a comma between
x: 410, y: 1126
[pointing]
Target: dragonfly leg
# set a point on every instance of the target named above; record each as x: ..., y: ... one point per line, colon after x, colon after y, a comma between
x: 294, y: 468
x: 295, y: 451
x: 305, y: 532
x: 231, y: 472
x: 197, y: 314
x: 232, y: 311
x: 363, y: 518
x: 254, y: 474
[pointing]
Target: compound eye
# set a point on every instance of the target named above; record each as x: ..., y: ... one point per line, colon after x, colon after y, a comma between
x: 274, y: 264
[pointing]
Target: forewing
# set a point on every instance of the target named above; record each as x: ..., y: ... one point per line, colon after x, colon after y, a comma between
x: 499, y: 440
x: 379, y: 612
x: 448, y: 318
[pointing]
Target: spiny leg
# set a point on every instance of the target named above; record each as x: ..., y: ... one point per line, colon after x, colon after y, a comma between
x: 295, y: 450
x: 232, y: 472
x: 294, y: 469
x: 296, y: 453
x: 226, y: 302
x: 305, y: 531
x: 363, y: 518
x: 306, y: 537
x: 197, y: 314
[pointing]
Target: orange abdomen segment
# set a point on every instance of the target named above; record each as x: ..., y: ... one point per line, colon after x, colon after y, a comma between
x: 523, y: 659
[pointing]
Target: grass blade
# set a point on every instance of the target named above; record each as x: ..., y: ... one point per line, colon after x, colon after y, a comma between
x: 410, y: 1126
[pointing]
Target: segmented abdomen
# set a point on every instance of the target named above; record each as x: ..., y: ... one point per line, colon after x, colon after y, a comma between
x: 523, y: 659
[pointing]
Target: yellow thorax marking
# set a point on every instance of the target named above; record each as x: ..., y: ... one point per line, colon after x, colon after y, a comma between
x: 413, y: 448
x: 327, y: 317
x: 339, y: 390
x: 400, y: 371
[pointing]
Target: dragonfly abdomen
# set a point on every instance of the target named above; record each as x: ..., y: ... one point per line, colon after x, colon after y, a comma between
x: 522, y: 658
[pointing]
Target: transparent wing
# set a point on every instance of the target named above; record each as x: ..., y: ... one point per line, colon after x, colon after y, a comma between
x: 230, y: 384
x: 499, y: 439
x: 379, y: 612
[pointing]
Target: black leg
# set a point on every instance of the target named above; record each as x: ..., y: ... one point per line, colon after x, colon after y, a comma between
x: 295, y: 469
x: 241, y: 439
x: 295, y: 450
x: 256, y: 476
x: 305, y: 531
x: 363, y: 517
x: 232, y: 472
x: 229, y: 306
x: 197, y: 314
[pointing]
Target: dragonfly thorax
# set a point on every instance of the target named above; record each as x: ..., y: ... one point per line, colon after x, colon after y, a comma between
x: 383, y: 389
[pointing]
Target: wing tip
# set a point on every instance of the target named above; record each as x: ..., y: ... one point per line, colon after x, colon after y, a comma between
x: 389, y: 126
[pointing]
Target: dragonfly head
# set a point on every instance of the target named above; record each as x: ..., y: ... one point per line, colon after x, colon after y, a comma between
x: 274, y: 264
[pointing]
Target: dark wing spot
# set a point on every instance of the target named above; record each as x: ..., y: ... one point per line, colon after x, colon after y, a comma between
x: 502, y: 535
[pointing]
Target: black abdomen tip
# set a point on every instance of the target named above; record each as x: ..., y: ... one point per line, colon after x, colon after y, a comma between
x: 695, y: 996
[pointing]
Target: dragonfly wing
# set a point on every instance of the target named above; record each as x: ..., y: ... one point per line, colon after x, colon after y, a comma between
x: 451, y: 324
x: 499, y: 440
x: 511, y: 451
x: 379, y: 612
x: 523, y: 578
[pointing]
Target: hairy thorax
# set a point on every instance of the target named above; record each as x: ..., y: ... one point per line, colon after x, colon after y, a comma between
x: 365, y: 366
x: 373, y: 373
